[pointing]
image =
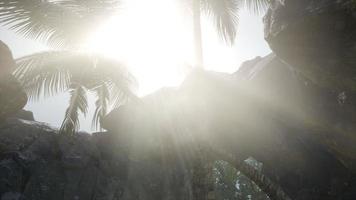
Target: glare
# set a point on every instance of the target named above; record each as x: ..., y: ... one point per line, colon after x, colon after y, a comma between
x: 154, y: 38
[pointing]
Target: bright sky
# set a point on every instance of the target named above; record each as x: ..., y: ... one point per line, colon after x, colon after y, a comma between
x: 157, y: 46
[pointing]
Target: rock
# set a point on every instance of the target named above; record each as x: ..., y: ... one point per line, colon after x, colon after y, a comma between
x: 7, y: 63
x: 150, y: 146
x: 12, y: 196
x: 266, y: 104
x: 24, y: 114
x: 12, y: 97
x: 317, y: 38
x: 36, y: 163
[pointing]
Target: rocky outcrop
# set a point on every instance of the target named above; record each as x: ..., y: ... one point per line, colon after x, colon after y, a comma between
x: 317, y: 37
x: 36, y: 163
x: 151, y: 147
x: 262, y: 111
x: 24, y: 114
x: 294, y: 112
x: 12, y: 97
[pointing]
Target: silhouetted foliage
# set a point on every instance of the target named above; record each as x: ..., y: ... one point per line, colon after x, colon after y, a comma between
x: 225, y: 17
x: 49, y: 73
x: 65, y: 25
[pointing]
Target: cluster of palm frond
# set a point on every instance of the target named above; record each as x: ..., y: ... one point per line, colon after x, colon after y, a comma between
x: 64, y: 25
x: 48, y: 73
x: 224, y: 14
x: 58, y: 23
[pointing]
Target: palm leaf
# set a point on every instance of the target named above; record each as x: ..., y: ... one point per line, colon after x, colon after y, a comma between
x: 58, y: 23
x: 120, y: 82
x: 257, y: 6
x: 225, y: 14
x: 101, y: 104
x: 95, y: 6
x: 225, y: 17
x: 77, y: 103
x: 48, y: 73
x: 38, y: 19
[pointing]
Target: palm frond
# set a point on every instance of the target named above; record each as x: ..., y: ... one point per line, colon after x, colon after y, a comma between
x: 58, y: 23
x: 103, y: 96
x: 120, y: 82
x: 37, y: 19
x: 225, y: 17
x: 48, y: 73
x: 256, y: 6
x: 95, y: 6
x: 77, y: 103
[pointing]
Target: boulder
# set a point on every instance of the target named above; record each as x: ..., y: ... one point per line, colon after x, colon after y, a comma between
x: 317, y: 38
x: 36, y: 163
x: 24, y: 114
x: 265, y: 111
x: 151, y: 146
x: 12, y: 96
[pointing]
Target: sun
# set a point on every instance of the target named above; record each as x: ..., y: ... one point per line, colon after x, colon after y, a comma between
x: 155, y: 39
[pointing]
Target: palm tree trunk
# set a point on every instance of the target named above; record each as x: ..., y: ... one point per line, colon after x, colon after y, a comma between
x: 198, y: 45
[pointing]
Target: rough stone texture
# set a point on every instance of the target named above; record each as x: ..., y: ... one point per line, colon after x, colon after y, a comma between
x: 317, y: 37
x: 148, y: 150
x: 298, y: 119
x: 24, y: 114
x: 38, y: 164
x: 12, y: 97
x: 261, y: 111
x: 317, y: 136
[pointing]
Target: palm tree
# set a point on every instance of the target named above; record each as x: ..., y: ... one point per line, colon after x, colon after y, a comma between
x: 225, y: 18
x: 63, y: 25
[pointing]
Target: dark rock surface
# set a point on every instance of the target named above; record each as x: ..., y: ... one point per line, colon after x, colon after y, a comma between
x: 295, y: 113
x: 148, y: 150
x: 25, y: 115
x: 264, y: 111
x: 38, y: 164
x: 317, y: 37
x: 12, y: 96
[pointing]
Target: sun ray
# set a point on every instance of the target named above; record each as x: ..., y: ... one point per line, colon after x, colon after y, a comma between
x: 155, y: 39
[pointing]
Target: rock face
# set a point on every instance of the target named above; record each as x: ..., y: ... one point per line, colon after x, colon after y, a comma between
x: 317, y: 37
x: 263, y: 111
x: 12, y: 97
x: 149, y: 149
x: 24, y: 114
x: 298, y: 119
x: 318, y: 40
x: 36, y: 163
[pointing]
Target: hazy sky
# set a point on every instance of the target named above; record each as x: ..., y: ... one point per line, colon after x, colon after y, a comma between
x: 146, y: 61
